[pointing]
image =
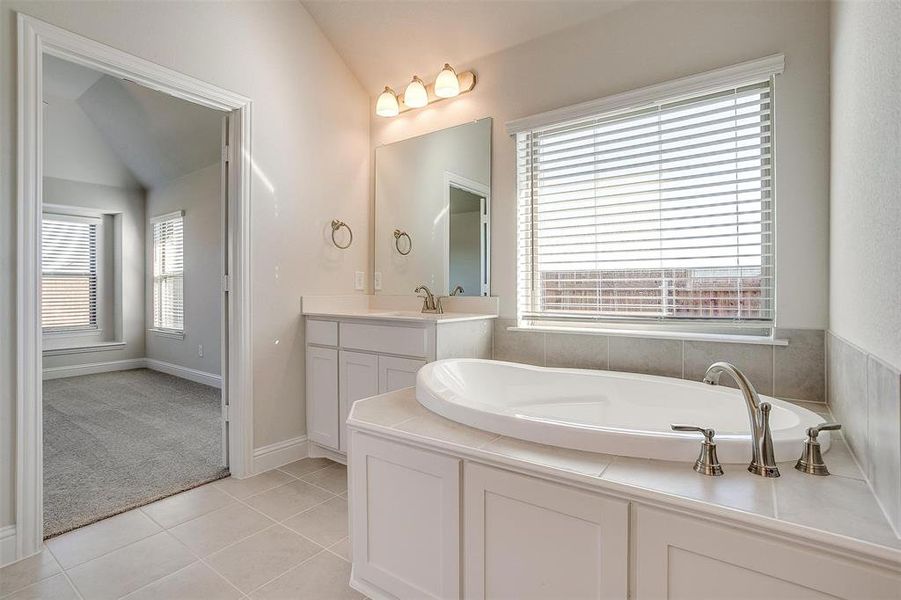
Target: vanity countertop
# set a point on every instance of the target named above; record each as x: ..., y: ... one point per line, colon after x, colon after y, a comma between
x: 838, y: 511
x: 384, y: 314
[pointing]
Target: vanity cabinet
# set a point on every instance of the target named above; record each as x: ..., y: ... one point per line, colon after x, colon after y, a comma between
x: 531, y: 539
x: 355, y: 358
x: 683, y: 557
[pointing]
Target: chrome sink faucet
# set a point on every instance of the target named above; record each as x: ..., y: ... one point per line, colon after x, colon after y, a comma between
x: 430, y: 304
x: 763, y: 460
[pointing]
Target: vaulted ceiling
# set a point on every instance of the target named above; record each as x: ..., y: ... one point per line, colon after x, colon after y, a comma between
x: 384, y: 42
x: 156, y: 136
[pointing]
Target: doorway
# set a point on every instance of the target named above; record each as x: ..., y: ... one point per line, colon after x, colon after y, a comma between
x: 97, y: 313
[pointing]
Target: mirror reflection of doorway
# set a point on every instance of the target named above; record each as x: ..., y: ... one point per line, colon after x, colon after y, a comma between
x: 467, y: 241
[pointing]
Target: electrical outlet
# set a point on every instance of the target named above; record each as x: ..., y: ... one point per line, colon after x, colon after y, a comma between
x: 377, y: 280
x: 358, y: 280
x: 200, y: 350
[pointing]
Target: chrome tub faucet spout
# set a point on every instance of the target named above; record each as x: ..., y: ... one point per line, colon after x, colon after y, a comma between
x: 763, y: 460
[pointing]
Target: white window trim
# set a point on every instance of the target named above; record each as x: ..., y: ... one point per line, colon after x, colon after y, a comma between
x: 165, y: 331
x: 731, y: 76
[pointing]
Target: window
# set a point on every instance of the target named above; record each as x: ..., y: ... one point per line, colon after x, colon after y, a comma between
x: 168, y: 272
x: 657, y: 213
x: 69, y: 251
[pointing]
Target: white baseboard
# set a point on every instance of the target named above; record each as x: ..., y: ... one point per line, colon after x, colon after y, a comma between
x: 92, y: 368
x: 134, y: 363
x: 7, y: 545
x: 279, y: 454
x: 184, y: 372
x: 317, y: 451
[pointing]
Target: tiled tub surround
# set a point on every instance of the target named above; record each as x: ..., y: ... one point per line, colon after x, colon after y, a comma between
x: 792, y: 372
x: 838, y: 510
x: 280, y: 534
x: 865, y: 396
x: 749, y: 527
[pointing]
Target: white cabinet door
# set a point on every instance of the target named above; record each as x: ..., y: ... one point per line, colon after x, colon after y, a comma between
x: 405, y: 514
x: 358, y: 377
x: 322, y: 396
x: 683, y: 557
x: 529, y: 538
x: 397, y: 373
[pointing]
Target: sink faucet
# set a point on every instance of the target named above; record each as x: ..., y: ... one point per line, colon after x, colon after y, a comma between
x: 763, y: 460
x: 429, y: 303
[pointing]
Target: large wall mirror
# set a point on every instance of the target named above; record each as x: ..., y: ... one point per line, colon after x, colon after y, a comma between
x: 432, y: 211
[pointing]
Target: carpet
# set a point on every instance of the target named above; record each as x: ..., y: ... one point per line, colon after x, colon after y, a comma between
x: 116, y: 441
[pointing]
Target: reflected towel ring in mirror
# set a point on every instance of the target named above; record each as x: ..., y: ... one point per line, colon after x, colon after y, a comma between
x: 399, y: 234
x: 336, y: 225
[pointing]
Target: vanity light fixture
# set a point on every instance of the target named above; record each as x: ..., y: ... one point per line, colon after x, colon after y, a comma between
x: 446, y: 84
x: 417, y: 94
x: 386, y: 105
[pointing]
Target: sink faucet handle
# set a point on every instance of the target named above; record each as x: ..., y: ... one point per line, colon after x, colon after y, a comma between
x: 811, y: 461
x: 707, y: 463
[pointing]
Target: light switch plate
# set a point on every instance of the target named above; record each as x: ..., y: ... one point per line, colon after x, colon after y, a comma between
x: 358, y: 280
x: 377, y: 280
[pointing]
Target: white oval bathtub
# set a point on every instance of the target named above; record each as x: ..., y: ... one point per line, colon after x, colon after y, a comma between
x: 603, y: 411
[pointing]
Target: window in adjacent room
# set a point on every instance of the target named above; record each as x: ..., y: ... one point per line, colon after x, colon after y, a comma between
x: 69, y: 273
x: 168, y: 272
x: 660, y: 214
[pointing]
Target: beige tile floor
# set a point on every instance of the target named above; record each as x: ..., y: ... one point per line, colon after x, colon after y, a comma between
x: 281, y: 534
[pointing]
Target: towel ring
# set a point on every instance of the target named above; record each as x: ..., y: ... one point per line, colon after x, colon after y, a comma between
x: 399, y: 234
x: 336, y: 225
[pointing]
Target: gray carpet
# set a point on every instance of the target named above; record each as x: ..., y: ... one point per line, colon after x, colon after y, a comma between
x: 115, y: 441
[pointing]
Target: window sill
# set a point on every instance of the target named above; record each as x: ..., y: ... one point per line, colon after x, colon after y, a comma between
x: 175, y: 335
x: 662, y: 335
x: 98, y: 347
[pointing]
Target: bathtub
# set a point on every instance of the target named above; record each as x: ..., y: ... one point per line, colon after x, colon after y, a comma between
x: 626, y: 414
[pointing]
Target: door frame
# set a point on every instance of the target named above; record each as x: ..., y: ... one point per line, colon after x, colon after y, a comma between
x: 35, y: 39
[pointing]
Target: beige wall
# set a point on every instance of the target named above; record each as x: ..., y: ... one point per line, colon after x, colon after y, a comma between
x: 198, y: 195
x: 310, y: 154
x: 652, y: 42
x: 865, y: 225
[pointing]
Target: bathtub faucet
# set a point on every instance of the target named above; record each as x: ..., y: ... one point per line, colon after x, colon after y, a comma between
x: 763, y: 460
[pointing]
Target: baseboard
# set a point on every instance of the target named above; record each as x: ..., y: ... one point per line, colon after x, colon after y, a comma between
x: 317, y: 451
x: 7, y: 545
x: 279, y: 454
x: 184, y: 372
x: 92, y: 368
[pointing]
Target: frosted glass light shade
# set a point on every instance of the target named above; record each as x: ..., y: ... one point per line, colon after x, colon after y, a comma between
x: 447, y: 85
x: 415, y: 96
x: 386, y: 105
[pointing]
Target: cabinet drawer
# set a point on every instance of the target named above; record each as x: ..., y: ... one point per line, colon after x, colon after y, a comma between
x: 392, y: 339
x: 324, y: 333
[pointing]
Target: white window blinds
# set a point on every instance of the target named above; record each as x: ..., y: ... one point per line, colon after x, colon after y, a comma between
x: 168, y: 272
x: 68, y: 273
x: 661, y: 213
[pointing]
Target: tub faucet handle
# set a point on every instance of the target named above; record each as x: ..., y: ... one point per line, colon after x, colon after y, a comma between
x: 811, y: 461
x: 707, y: 463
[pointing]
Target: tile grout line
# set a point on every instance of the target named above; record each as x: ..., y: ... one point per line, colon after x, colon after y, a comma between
x: 280, y: 575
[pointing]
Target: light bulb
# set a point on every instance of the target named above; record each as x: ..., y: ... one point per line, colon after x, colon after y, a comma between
x: 447, y: 85
x: 415, y: 95
x: 386, y: 105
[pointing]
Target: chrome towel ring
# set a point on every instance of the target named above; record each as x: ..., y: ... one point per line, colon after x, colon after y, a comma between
x: 336, y: 225
x: 399, y: 234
